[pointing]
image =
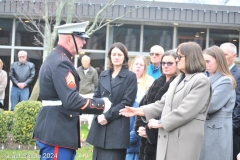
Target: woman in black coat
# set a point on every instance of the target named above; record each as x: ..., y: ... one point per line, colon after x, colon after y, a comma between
x: 160, y: 86
x: 109, y: 132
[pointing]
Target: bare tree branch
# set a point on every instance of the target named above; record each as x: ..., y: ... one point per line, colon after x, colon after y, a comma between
x: 37, y: 41
x: 107, y: 11
x: 91, y: 30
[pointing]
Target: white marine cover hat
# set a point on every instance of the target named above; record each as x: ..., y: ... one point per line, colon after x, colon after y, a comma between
x: 77, y: 29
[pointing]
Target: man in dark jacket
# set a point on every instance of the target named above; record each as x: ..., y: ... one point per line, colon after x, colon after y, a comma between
x: 230, y: 51
x: 57, y: 126
x: 21, y: 74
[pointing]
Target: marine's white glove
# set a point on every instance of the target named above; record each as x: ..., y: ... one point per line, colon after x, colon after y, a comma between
x: 108, y: 104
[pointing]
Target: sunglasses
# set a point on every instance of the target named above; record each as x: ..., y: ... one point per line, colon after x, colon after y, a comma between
x: 179, y: 57
x: 166, y: 63
x: 156, y: 54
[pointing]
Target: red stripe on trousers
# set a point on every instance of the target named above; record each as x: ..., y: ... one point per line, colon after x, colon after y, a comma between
x: 55, y: 153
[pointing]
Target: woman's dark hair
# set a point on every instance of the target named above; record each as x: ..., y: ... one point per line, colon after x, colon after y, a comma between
x: 168, y: 53
x: 194, y: 60
x: 123, y: 48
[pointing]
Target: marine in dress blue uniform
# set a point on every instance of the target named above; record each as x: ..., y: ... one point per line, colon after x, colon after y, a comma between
x: 57, y: 127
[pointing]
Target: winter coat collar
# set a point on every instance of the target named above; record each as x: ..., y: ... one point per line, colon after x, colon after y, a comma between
x: 215, y: 77
x: 106, y: 77
x: 66, y: 52
x: 180, y: 85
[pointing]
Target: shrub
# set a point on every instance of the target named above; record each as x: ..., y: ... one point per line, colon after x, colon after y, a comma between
x: 9, y: 119
x: 3, y: 127
x: 24, y: 121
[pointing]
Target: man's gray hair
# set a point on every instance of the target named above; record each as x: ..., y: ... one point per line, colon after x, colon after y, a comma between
x: 22, y: 52
x: 159, y: 48
x: 232, y: 48
x: 86, y: 57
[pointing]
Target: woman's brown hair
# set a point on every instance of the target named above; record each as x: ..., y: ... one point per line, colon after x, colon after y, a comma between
x: 218, y: 54
x: 123, y: 48
x: 194, y: 60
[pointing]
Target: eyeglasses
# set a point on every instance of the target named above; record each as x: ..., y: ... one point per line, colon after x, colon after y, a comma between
x: 179, y: 57
x: 166, y: 63
x: 156, y: 54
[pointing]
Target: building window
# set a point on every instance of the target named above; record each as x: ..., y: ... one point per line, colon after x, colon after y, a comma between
x: 25, y: 37
x: 97, y: 40
x: 197, y: 35
x: 219, y: 36
x: 127, y: 34
x: 6, y: 31
x: 157, y: 35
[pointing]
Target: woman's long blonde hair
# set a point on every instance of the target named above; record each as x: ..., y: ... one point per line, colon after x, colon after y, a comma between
x: 1, y: 64
x: 144, y: 77
x: 218, y: 54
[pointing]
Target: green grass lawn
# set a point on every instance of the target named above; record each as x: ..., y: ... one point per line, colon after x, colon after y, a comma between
x: 85, y: 153
x: 84, y: 131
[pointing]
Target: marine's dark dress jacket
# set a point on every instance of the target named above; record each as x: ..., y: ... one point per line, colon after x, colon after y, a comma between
x: 58, y: 80
x: 121, y: 92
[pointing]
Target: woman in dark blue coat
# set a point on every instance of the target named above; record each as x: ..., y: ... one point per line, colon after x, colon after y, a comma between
x: 109, y: 132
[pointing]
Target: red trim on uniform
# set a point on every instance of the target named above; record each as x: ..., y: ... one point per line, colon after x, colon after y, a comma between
x: 55, y: 153
x: 86, y: 104
x: 67, y: 50
x: 64, y: 53
x: 55, y: 145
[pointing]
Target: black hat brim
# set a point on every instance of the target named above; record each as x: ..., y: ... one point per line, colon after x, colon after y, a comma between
x: 82, y: 35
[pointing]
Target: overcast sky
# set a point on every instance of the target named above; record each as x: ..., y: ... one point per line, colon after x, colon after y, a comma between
x: 219, y: 2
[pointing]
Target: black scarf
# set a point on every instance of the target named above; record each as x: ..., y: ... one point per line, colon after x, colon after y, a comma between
x: 157, y: 90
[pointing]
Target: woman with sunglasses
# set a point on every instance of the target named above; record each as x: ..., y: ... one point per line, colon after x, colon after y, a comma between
x: 182, y: 108
x: 144, y: 81
x: 217, y: 142
x: 160, y: 86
